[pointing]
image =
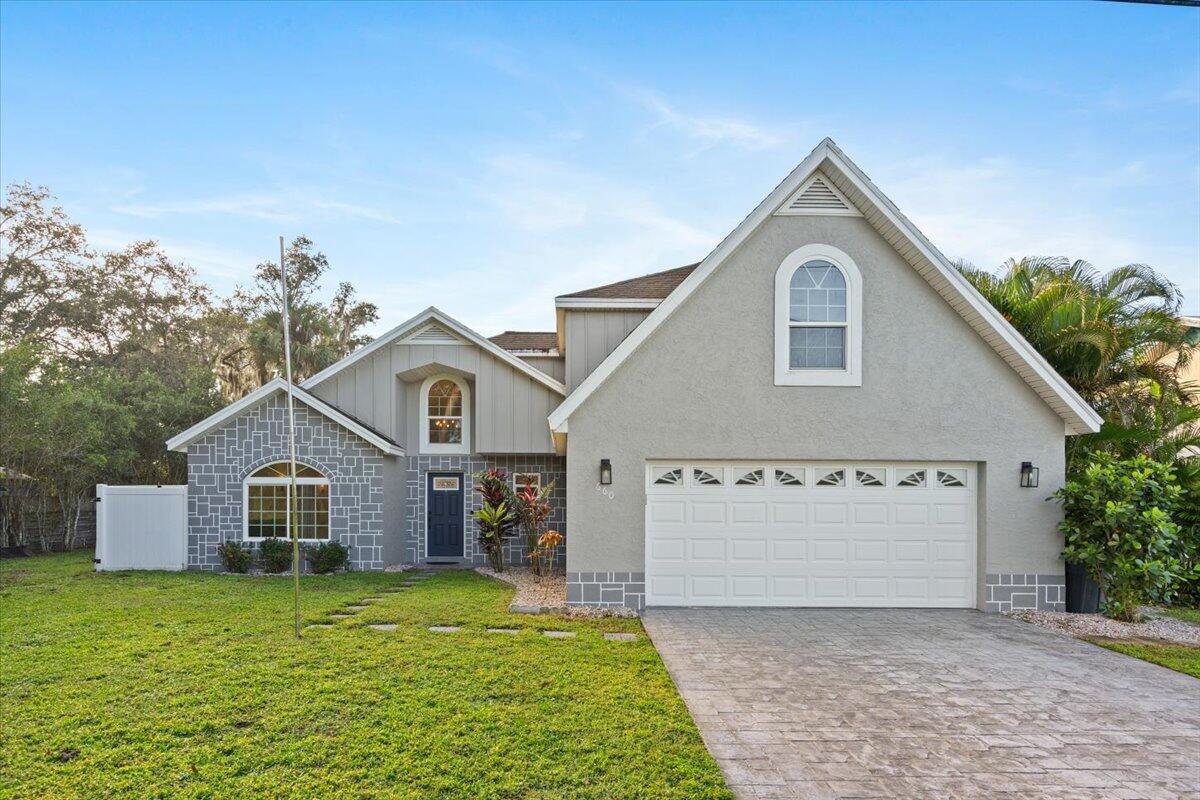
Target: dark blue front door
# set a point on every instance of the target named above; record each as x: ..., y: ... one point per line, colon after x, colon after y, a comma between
x: 444, y: 524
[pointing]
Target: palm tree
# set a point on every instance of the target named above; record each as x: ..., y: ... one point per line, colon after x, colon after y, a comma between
x: 1107, y: 334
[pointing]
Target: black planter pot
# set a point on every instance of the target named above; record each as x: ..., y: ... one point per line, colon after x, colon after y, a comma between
x: 1083, y: 593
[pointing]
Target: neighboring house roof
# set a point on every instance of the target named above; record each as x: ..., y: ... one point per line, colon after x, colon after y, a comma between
x: 433, y: 315
x: 526, y: 341
x: 655, y: 286
x: 898, y: 230
x: 182, y: 440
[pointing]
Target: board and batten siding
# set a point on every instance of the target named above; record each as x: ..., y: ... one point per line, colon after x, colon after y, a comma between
x: 554, y: 366
x: 509, y: 408
x: 592, y: 335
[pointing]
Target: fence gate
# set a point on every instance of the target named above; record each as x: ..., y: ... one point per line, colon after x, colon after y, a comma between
x: 141, y: 527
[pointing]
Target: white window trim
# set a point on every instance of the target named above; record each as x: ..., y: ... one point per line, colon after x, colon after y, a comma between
x: 425, y: 446
x: 250, y: 481
x: 519, y: 485
x: 851, y: 375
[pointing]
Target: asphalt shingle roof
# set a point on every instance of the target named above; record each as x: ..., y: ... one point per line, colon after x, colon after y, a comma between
x: 654, y: 286
x: 526, y: 340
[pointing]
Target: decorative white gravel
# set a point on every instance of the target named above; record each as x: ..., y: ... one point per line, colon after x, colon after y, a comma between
x: 549, y: 592
x: 1166, y: 629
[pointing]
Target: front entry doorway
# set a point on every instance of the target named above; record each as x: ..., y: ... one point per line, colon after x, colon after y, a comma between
x: 444, y: 515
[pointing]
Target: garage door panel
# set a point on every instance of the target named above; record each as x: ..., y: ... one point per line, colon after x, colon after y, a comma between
x: 749, y: 513
x: 749, y: 550
x: 769, y: 542
x: 830, y: 514
x: 706, y: 512
x: 785, y: 513
x: 706, y: 550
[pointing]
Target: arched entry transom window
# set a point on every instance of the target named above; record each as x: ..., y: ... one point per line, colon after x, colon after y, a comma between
x: 266, y: 493
x: 818, y: 319
x: 445, y: 417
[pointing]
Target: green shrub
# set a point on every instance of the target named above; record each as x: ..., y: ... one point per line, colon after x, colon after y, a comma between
x: 327, y: 557
x: 234, y: 556
x: 276, y: 554
x: 1187, y: 516
x: 1117, y: 522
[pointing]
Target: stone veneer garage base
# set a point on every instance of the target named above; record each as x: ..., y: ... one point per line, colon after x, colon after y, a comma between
x: 1025, y: 592
x: 627, y: 589
x: 1005, y: 591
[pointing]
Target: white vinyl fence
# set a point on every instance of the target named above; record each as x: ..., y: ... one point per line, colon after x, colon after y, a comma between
x: 141, y: 527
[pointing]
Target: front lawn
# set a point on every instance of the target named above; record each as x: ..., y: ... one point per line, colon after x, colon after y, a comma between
x: 1172, y: 656
x: 191, y: 685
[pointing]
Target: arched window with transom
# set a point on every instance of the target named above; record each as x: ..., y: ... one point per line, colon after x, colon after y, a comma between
x: 445, y: 415
x: 818, y: 319
x: 266, y: 493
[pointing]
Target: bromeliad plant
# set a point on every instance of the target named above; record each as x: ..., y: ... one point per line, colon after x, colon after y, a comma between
x: 1117, y: 523
x: 533, y: 509
x: 495, y: 518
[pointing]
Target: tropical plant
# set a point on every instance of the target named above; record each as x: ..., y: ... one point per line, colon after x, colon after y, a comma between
x: 1117, y: 524
x: 275, y: 554
x: 327, y: 557
x: 492, y: 522
x: 532, y: 508
x: 234, y: 556
x: 1187, y: 516
x: 1108, y: 334
x: 548, y: 544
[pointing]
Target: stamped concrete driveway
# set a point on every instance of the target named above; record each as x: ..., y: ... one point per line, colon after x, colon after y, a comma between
x: 799, y: 703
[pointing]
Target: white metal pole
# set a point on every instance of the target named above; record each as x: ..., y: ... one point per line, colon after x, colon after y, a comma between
x: 291, y: 407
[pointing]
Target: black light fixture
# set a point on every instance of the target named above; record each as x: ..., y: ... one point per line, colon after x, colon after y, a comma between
x: 1029, y: 475
x: 605, y: 472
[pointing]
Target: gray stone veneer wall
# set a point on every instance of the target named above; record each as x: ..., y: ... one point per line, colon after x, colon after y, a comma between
x: 218, y: 463
x: 626, y: 589
x: 552, y: 468
x: 1021, y: 592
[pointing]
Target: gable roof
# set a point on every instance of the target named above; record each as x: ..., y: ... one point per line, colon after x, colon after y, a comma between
x: 180, y: 441
x: 655, y: 286
x: 526, y: 340
x: 420, y: 321
x: 899, y: 231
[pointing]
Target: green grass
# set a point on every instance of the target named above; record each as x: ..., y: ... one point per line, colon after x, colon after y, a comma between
x: 1186, y: 614
x: 1172, y: 656
x: 192, y: 685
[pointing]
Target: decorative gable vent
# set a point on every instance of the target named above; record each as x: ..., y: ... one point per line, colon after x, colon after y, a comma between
x: 432, y: 334
x: 818, y: 195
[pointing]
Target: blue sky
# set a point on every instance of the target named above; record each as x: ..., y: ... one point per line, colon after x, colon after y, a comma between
x: 484, y: 158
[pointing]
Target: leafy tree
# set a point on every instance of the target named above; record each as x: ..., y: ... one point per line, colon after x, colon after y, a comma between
x: 320, y: 333
x: 1117, y: 523
x: 1107, y: 334
x: 42, y: 255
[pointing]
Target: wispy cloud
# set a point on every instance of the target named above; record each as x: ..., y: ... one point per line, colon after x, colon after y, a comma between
x: 274, y: 206
x: 994, y: 208
x: 706, y: 130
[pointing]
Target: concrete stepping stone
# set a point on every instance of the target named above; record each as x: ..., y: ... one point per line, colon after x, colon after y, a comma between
x: 371, y: 600
x: 503, y: 630
x: 559, y: 634
x: 621, y: 637
x: 386, y: 628
x: 356, y: 608
x: 445, y: 629
x: 319, y: 625
x: 340, y: 616
x: 394, y: 589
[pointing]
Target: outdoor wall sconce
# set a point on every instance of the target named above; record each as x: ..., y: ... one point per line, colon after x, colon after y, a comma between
x: 605, y: 472
x: 1029, y: 475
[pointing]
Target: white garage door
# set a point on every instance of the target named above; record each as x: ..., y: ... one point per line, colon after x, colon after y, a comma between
x: 810, y: 534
